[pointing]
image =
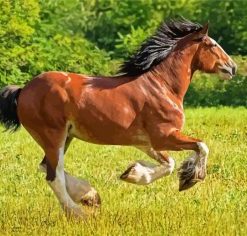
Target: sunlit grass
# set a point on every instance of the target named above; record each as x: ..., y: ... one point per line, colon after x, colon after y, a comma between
x: 217, y: 206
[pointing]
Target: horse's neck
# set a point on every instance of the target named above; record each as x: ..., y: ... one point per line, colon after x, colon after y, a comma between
x: 176, y: 71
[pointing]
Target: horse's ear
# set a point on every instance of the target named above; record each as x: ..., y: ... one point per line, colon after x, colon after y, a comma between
x: 204, y: 30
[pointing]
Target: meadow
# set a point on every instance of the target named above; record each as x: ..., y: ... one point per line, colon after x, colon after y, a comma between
x: 217, y: 206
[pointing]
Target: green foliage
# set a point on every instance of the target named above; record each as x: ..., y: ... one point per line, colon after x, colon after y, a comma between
x: 37, y: 37
x: 94, y: 36
x: 17, y: 19
x: 228, y: 20
x: 127, y: 44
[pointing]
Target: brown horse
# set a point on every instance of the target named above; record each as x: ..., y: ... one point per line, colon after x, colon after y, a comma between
x: 141, y: 107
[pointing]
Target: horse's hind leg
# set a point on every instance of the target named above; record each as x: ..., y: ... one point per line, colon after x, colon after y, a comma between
x: 144, y: 173
x: 56, y: 180
x: 42, y: 165
x: 52, y: 140
x: 79, y: 190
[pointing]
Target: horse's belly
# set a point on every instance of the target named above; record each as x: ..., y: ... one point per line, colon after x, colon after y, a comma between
x: 109, y: 134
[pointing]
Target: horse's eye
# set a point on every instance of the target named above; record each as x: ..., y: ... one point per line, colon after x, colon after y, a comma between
x: 214, y: 45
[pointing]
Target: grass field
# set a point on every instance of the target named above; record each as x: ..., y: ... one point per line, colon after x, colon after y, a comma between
x: 217, y: 206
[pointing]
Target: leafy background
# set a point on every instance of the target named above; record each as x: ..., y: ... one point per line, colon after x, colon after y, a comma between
x: 95, y: 36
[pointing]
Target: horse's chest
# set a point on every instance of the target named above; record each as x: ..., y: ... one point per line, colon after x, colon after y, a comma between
x: 170, y: 112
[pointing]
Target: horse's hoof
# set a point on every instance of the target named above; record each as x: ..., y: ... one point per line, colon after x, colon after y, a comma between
x: 138, y: 173
x: 91, y: 198
x: 186, y: 184
x: 75, y: 213
x: 126, y: 173
x: 189, y: 177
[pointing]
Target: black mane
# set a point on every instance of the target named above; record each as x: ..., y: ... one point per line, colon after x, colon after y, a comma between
x: 158, y: 46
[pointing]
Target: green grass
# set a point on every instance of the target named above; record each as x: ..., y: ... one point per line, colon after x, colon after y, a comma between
x: 217, y: 206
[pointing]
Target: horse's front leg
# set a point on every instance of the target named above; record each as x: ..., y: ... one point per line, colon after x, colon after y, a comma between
x: 144, y: 173
x: 193, y: 169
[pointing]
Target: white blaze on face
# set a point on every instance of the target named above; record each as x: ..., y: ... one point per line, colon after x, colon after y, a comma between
x: 217, y: 45
x: 226, y: 68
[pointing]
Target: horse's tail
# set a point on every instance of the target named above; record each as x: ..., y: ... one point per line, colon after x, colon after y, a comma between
x: 8, y: 107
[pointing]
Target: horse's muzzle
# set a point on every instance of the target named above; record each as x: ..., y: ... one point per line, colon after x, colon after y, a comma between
x: 228, y: 70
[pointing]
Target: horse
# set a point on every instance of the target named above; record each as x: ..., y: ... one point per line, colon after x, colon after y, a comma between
x: 142, y: 106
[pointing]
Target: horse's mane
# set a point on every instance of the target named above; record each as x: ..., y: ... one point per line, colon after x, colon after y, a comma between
x: 158, y: 46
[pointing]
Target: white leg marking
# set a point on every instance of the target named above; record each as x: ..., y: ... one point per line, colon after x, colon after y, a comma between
x: 78, y: 189
x: 167, y: 167
x: 203, y: 155
x: 58, y: 184
x: 203, y: 149
x: 164, y: 169
x: 144, y: 173
x: 171, y: 164
x: 201, y: 160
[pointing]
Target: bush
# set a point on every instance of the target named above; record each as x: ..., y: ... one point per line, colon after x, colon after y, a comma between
x: 33, y: 42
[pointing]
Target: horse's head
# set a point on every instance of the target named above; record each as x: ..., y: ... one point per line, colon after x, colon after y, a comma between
x: 211, y: 57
